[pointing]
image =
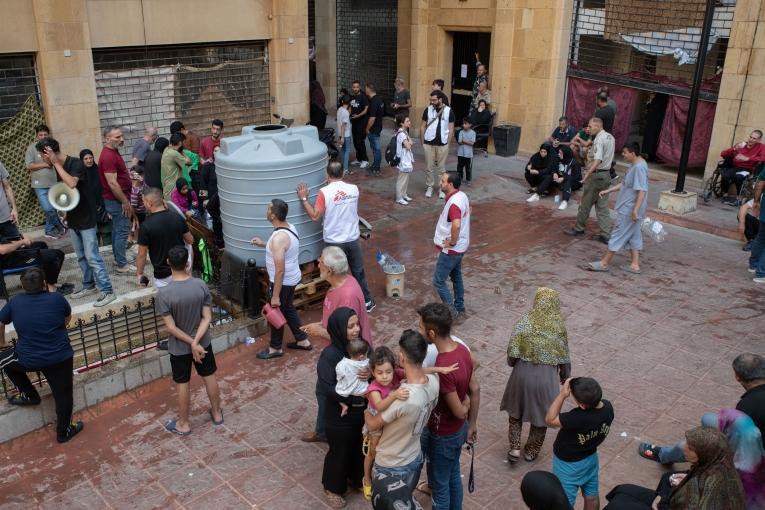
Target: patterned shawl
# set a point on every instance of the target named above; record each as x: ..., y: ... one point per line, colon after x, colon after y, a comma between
x: 712, y: 483
x: 745, y: 440
x: 540, y: 336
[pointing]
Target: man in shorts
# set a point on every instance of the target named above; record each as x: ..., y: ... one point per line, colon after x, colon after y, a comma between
x: 582, y: 430
x: 185, y: 308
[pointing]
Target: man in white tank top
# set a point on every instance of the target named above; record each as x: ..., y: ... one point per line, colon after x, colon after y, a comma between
x: 282, y: 250
x: 452, y: 238
x: 338, y: 204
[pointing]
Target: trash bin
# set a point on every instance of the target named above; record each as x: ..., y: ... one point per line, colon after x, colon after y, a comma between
x: 507, y: 137
x: 394, y: 282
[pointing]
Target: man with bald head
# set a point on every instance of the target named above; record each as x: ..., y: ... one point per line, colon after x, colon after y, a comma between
x: 143, y: 145
x: 596, y: 179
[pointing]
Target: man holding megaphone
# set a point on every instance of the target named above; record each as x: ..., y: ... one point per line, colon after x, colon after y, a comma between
x: 72, y: 195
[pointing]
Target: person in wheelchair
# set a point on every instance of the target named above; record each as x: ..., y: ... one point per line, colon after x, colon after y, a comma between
x: 741, y: 159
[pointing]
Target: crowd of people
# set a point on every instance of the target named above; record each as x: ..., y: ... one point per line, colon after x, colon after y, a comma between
x: 385, y: 413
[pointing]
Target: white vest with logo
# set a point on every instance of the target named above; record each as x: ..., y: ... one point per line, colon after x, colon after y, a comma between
x: 444, y: 226
x: 430, y: 132
x: 341, y: 216
x: 292, y: 274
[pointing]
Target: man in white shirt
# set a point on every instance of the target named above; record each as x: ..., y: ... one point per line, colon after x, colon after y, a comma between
x: 282, y: 265
x: 452, y: 238
x: 398, y: 458
x: 436, y: 131
x: 338, y: 204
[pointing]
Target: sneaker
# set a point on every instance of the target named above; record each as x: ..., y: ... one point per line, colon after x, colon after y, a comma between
x: 533, y: 198
x: 401, y: 201
x: 407, y: 198
x: 104, y: 299
x: 51, y: 235
x: 356, y: 163
x: 22, y: 400
x: 469, y: 183
x: 563, y: 206
x: 747, y: 246
x: 364, y: 164
x: 441, y: 195
x: 429, y: 192
x: 349, y: 172
x: 127, y: 268
x: 65, y: 289
x: 751, y: 270
x: 72, y: 430
x: 84, y: 292
x: 371, y: 305
x: 759, y: 279
x: 573, y: 232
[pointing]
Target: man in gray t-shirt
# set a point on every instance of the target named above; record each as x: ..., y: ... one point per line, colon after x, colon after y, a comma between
x: 185, y: 308
x: 42, y: 177
x: 8, y: 213
x: 631, y: 205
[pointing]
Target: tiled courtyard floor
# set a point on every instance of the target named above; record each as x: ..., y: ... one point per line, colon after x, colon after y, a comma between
x: 660, y: 343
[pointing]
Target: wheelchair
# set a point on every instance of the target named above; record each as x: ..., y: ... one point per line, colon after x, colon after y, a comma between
x: 713, y: 185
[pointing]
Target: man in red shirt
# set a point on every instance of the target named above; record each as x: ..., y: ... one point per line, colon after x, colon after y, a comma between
x: 745, y: 156
x: 454, y: 419
x: 191, y: 140
x: 116, y: 184
x: 209, y: 143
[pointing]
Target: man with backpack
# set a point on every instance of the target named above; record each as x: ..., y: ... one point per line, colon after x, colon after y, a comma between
x: 436, y: 131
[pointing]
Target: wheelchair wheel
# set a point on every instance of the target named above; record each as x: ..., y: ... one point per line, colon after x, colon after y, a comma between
x: 747, y: 189
x: 712, y: 187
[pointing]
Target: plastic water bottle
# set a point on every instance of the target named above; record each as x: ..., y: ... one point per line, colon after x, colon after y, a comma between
x: 248, y: 340
x: 557, y: 199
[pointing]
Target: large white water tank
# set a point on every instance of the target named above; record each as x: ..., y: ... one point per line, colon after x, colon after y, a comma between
x: 263, y: 163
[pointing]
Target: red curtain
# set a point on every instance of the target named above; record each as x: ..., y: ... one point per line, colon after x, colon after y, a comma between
x: 673, y: 131
x: 580, y: 105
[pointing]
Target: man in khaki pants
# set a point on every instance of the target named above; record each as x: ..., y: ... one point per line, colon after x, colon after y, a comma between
x: 596, y: 179
x: 436, y: 132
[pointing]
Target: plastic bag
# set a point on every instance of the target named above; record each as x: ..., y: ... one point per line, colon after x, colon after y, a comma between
x: 654, y: 229
x: 388, y: 264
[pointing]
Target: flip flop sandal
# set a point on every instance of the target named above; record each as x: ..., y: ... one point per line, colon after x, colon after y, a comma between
x: 649, y: 451
x: 367, y: 492
x: 630, y: 270
x: 170, y: 426
x: 298, y: 347
x: 597, y: 267
x: 269, y: 355
x: 213, y: 419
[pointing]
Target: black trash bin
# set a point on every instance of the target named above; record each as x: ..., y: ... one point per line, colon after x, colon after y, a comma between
x: 507, y: 137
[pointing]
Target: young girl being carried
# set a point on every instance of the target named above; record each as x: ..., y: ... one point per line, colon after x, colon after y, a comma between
x: 381, y: 393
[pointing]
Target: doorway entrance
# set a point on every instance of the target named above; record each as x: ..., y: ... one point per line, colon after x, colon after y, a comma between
x: 466, y: 45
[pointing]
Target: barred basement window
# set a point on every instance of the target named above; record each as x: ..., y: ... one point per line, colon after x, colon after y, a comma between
x: 18, y: 81
x: 192, y: 83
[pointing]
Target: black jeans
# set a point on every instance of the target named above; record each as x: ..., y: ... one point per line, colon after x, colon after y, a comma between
x: 50, y: 260
x: 357, y: 130
x: 751, y: 227
x: 286, y: 295
x: 545, y: 182
x: 465, y: 165
x: 730, y: 176
x: 9, y: 232
x: 59, y: 378
x: 352, y: 252
x: 213, y: 208
x: 571, y: 182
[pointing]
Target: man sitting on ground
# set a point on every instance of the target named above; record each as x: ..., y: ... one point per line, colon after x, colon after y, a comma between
x: 744, y: 157
x: 563, y: 134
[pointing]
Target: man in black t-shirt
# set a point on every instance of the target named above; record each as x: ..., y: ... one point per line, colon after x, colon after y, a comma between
x: 582, y: 430
x: 359, y: 108
x: 81, y: 222
x: 161, y: 230
x: 375, y: 114
x: 152, y: 164
x: 605, y: 112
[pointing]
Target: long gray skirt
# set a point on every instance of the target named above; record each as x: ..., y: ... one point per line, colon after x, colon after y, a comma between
x: 530, y: 391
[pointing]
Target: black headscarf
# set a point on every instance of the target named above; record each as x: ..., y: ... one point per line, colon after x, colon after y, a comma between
x: 568, y: 154
x: 540, y: 163
x: 542, y: 491
x: 87, y: 152
x: 337, y: 327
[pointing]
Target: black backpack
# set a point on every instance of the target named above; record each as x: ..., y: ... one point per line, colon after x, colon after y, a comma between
x: 390, y: 151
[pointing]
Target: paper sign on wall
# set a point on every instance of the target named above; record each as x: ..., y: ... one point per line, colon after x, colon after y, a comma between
x: 463, y: 71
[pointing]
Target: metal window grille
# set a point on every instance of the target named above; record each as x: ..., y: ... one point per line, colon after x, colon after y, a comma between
x: 194, y: 84
x: 648, y: 44
x: 18, y: 81
x: 366, y: 43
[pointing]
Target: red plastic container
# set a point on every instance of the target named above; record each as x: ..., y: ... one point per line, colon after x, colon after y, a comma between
x: 274, y: 316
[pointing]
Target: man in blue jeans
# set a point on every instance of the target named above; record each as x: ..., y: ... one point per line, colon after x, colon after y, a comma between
x: 116, y: 184
x: 452, y: 238
x: 43, y: 177
x: 82, y: 223
x: 454, y: 419
x: 398, y: 457
x: 757, y: 256
x: 375, y: 114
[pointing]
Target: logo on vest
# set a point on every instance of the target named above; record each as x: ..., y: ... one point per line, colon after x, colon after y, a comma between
x: 341, y: 196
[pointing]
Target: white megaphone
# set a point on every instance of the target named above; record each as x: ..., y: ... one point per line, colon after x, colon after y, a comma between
x: 62, y: 197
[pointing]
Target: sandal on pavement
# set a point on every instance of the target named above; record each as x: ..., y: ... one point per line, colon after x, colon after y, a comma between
x: 170, y: 426
x: 649, y: 451
x: 367, y: 488
x: 312, y: 437
x: 297, y: 346
x: 334, y: 500
x: 212, y: 418
x: 513, y: 456
x: 629, y: 269
x: 267, y: 354
x: 597, y: 267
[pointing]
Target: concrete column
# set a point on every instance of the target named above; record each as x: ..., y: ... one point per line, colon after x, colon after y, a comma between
x: 65, y: 73
x: 288, y: 60
x: 739, y: 102
x: 326, y: 48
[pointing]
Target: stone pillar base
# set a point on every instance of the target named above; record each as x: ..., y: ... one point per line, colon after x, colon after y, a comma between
x: 677, y: 203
